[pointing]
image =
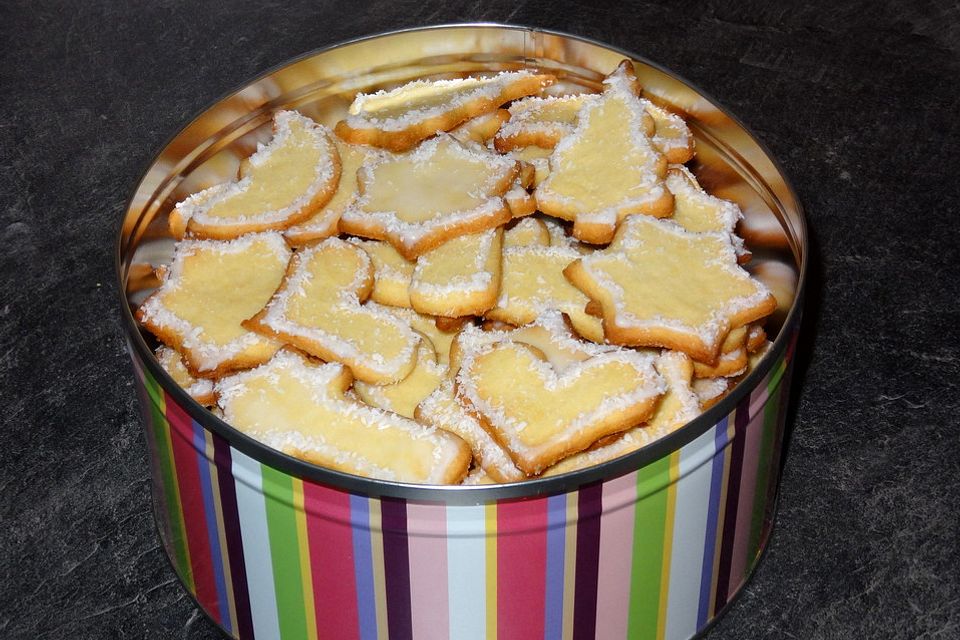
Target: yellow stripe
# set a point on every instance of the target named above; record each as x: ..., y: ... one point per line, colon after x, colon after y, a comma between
x: 721, y: 512
x: 306, y: 576
x: 221, y: 529
x: 379, y: 580
x: 490, y: 525
x: 569, y: 564
x: 668, y: 543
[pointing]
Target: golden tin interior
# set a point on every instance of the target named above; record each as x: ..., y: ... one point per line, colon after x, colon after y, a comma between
x: 730, y: 162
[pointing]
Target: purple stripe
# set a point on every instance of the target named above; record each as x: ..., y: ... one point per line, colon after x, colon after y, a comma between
x: 363, y: 567
x: 589, y: 506
x: 710, y: 539
x: 556, y: 531
x: 396, y: 568
x: 231, y: 526
x: 216, y: 553
x: 741, y: 420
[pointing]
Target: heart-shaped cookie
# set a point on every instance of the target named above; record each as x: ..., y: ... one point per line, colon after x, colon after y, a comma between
x: 540, y: 415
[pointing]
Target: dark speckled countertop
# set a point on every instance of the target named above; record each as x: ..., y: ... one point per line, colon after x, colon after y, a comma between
x: 859, y: 102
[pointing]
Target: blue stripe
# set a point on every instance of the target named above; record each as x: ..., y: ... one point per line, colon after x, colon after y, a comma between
x: 556, y: 533
x: 363, y: 566
x: 710, y: 539
x: 216, y: 553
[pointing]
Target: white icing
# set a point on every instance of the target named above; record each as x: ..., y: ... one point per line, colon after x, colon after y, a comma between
x: 207, y: 354
x: 649, y: 189
x: 197, y: 206
x: 276, y: 315
x: 478, y: 281
x: 454, y: 418
x: 320, y: 379
x: 408, y: 233
x: 710, y: 331
x: 361, y: 117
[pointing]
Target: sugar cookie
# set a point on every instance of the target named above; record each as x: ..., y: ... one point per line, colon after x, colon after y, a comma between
x: 540, y: 414
x: 536, y: 157
x: 527, y: 232
x: 400, y: 118
x: 671, y: 136
x: 756, y: 337
x: 444, y: 323
x: 442, y: 189
x: 695, y: 209
x: 439, y: 337
x: 710, y: 391
x: 533, y: 282
x: 442, y: 410
x: 606, y: 169
x: 729, y: 364
x: 391, y: 273
x: 318, y: 309
x: 403, y: 397
x: 550, y: 335
x: 325, y: 222
x: 520, y: 201
x: 210, y: 287
x: 285, y: 182
x: 678, y: 406
x: 300, y: 408
x: 477, y: 476
x: 660, y: 285
x: 736, y: 339
x: 482, y: 128
x: 459, y: 278
x: 543, y: 122
x: 200, y: 389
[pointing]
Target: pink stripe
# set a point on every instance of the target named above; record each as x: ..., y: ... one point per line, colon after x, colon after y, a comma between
x: 521, y: 569
x: 748, y: 485
x: 616, y: 552
x: 330, y: 540
x: 194, y: 510
x: 427, y: 546
x: 759, y: 396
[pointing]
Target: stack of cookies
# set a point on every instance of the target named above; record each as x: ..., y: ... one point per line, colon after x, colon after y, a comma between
x: 475, y: 280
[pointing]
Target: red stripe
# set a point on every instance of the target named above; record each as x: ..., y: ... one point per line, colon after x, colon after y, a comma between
x: 521, y: 569
x: 330, y: 540
x: 191, y: 501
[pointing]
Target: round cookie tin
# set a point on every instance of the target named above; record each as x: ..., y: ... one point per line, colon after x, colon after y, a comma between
x: 652, y: 545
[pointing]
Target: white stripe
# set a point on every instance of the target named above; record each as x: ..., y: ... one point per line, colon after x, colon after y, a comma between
x: 252, y: 510
x: 689, y: 529
x: 466, y: 571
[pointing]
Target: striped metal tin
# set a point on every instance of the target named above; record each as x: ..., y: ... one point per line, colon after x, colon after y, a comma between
x: 653, y: 545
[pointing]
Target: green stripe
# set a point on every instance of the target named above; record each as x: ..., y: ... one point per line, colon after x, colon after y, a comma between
x: 770, y: 413
x: 284, y: 552
x: 171, y: 491
x: 153, y: 389
x: 648, y: 532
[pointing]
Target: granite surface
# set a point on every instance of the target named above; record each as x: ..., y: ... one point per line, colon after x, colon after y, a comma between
x: 857, y: 100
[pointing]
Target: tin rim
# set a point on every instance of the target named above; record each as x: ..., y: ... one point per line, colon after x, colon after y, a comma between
x: 460, y: 494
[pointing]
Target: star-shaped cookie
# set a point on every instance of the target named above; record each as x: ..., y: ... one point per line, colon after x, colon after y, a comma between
x: 660, y: 285
x: 441, y: 190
